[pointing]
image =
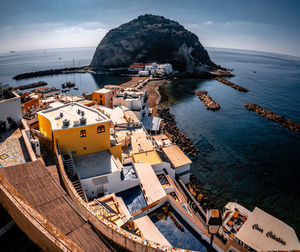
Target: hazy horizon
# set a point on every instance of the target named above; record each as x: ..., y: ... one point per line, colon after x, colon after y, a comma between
x: 51, y: 24
x: 206, y: 47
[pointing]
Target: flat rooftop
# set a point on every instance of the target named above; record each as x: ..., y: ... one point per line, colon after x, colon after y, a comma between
x: 264, y: 232
x: 102, y: 91
x: 95, y: 164
x: 150, y: 231
x: 149, y: 157
x: 73, y: 112
x: 176, y: 156
x: 149, y: 182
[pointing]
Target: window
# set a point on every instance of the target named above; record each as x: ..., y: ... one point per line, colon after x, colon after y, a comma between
x: 83, y: 133
x: 101, y: 96
x: 100, y: 129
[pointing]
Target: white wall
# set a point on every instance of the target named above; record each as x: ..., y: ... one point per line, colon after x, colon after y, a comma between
x: 158, y: 168
x: 180, y: 169
x: 185, y: 178
x: 113, y: 184
x: 11, y: 108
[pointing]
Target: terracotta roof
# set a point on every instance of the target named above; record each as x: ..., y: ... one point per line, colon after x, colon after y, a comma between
x: 176, y: 155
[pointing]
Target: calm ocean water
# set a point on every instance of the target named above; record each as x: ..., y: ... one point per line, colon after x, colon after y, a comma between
x: 242, y: 156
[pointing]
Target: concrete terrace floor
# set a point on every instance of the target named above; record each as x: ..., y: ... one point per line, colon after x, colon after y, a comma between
x: 12, y: 148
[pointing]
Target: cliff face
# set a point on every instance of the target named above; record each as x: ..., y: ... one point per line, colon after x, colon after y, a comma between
x: 151, y: 38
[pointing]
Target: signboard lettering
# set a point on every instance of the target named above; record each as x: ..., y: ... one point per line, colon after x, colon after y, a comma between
x: 256, y: 227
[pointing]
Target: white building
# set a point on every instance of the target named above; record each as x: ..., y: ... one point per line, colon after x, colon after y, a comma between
x: 10, y: 108
x: 134, y: 100
x: 180, y: 162
x: 152, y: 68
x: 264, y: 232
x: 144, y: 73
x: 164, y: 69
x: 100, y: 173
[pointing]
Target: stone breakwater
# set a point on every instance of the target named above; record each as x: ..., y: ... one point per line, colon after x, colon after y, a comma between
x: 169, y: 127
x: 209, y: 103
x: 273, y: 117
x: 84, y: 69
x: 31, y: 85
x: 231, y: 84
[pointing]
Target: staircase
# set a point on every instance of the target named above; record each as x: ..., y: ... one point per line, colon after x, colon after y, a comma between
x: 68, y: 164
x: 78, y: 188
x: 69, y: 167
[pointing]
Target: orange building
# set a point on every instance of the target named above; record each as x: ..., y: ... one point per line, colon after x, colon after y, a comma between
x: 104, y: 96
x: 30, y: 102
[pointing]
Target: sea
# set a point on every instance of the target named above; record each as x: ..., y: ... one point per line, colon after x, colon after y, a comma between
x: 241, y: 156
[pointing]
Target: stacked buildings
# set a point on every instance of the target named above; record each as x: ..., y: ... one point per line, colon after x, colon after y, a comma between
x: 123, y: 188
x: 154, y: 69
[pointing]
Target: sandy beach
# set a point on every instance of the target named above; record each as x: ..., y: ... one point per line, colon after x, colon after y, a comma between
x: 151, y: 88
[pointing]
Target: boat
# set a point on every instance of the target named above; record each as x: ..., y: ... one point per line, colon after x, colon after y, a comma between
x: 70, y: 84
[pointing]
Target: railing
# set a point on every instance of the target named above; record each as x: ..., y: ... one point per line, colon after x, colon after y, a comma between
x: 190, y: 196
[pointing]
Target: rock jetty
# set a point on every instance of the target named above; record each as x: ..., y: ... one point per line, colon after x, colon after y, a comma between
x: 273, y: 117
x: 209, y: 103
x: 84, y: 69
x: 31, y: 85
x: 231, y: 84
x: 168, y: 125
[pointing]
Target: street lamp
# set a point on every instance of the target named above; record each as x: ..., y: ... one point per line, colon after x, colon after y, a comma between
x: 213, y: 222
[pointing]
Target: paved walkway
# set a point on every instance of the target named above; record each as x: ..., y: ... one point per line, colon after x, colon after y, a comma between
x: 12, y: 148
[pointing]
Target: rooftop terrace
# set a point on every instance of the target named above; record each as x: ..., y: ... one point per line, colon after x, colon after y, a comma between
x: 95, y: 164
x: 73, y: 112
x: 176, y: 156
x: 102, y: 91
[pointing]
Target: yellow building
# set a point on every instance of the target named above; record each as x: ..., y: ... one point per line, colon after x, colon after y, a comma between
x: 104, y: 97
x: 79, y: 129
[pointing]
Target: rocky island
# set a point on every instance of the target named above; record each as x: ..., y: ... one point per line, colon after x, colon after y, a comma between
x: 151, y: 38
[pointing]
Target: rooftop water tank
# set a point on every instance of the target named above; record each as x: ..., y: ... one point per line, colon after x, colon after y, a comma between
x: 82, y: 120
x: 66, y: 122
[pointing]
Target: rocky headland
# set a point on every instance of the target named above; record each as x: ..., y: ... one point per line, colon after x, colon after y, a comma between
x: 151, y: 38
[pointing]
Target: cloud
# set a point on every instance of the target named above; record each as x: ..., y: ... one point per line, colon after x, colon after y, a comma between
x: 208, y: 22
x: 51, y: 35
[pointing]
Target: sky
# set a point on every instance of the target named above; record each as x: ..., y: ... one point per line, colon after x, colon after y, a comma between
x: 263, y: 25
